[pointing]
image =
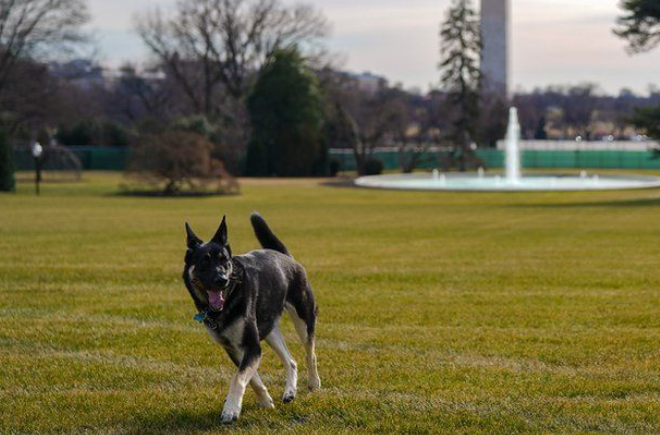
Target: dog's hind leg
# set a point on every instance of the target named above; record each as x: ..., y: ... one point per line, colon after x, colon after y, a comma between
x: 236, y: 355
x: 276, y: 340
x: 304, y: 320
x: 262, y: 392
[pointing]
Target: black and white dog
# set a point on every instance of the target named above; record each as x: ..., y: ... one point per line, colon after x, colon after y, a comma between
x: 240, y: 301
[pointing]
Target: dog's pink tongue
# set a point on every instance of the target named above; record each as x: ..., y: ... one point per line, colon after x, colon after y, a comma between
x: 216, y: 300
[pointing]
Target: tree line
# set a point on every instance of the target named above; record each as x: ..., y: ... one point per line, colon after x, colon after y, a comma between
x: 249, y: 85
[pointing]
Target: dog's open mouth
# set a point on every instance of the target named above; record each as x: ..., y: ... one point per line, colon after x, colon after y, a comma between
x: 216, y: 300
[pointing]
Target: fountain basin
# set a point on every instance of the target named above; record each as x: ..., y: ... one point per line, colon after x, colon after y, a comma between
x: 536, y: 182
x: 512, y: 181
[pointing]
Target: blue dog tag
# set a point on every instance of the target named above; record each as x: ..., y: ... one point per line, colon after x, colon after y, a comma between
x: 199, y: 317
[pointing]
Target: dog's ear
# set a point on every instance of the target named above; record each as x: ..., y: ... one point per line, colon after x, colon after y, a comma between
x: 221, y: 235
x: 192, y: 240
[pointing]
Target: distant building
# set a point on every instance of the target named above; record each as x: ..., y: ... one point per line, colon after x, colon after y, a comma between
x: 495, y: 38
x: 83, y: 73
x: 87, y: 74
x: 369, y: 82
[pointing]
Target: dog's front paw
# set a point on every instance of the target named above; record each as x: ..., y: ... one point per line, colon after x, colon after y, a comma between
x: 229, y: 417
x: 288, y: 396
x: 230, y: 413
x: 266, y: 402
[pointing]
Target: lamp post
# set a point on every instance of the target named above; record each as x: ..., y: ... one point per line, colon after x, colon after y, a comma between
x: 37, y: 152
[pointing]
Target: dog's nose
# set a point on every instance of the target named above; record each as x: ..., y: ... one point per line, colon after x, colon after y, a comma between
x: 220, y: 281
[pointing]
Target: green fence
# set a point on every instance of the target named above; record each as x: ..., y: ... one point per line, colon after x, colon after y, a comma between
x: 102, y: 158
x: 115, y: 159
x: 91, y: 158
x: 494, y: 159
x: 577, y: 159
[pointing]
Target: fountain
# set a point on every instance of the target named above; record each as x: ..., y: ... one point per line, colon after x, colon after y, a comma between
x: 513, y: 179
x: 513, y: 166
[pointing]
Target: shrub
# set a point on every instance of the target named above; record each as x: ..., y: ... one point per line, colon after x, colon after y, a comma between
x: 7, y: 182
x: 195, y: 124
x: 373, y: 167
x: 175, y: 161
x: 335, y: 167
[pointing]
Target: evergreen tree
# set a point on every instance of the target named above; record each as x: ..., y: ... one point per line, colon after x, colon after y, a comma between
x: 640, y: 24
x: 461, y: 77
x: 287, y: 119
x: 7, y: 182
x: 256, y: 161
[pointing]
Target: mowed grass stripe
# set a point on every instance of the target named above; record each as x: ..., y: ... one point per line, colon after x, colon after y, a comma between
x: 440, y: 313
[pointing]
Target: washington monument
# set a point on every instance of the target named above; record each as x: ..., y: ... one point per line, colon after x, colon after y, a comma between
x: 495, y: 39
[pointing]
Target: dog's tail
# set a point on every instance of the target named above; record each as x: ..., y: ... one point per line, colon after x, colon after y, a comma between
x: 265, y: 236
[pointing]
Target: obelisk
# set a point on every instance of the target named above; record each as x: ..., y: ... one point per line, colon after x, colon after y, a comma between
x: 495, y: 40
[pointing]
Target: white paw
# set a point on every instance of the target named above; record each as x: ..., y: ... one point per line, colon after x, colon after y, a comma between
x: 230, y: 413
x: 266, y: 402
x: 289, y: 395
x: 314, y: 383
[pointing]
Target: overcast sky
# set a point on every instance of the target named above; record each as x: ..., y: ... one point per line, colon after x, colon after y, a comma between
x: 553, y: 41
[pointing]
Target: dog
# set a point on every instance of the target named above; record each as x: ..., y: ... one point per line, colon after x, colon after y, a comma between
x: 240, y: 300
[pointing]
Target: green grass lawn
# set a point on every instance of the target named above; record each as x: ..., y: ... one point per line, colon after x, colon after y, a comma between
x: 439, y: 312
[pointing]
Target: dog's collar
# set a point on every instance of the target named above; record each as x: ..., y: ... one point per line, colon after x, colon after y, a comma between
x: 208, y: 316
x: 201, y: 317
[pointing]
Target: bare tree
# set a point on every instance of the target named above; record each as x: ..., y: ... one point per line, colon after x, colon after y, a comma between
x: 418, y: 133
x: 137, y: 96
x: 581, y: 104
x: 33, y: 28
x: 369, y: 121
x: 29, y: 97
x: 212, y: 45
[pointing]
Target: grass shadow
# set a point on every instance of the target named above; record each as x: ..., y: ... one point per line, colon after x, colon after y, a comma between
x: 161, y: 195
x: 622, y: 203
x: 182, y: 422
x: 345, y: 182
x: 189, y: 420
